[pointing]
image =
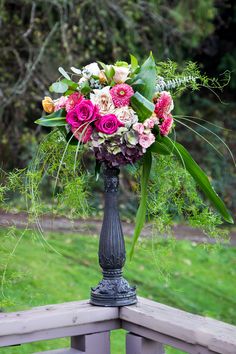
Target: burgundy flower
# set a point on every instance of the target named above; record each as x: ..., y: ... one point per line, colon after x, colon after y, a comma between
x: 108, y: 124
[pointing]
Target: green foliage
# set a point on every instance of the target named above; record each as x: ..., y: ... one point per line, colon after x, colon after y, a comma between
x: 170, y: 29
x: 172, y: 193
x: 196, y: 172
x: 143, y: 107
x: 147, y: 75
x: 55, y: 163
x: 177, y: 78
x: 56, y: 119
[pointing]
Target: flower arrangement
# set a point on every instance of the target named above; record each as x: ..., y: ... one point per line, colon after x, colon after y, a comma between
x: 123, y: 113
x: 105, y: 119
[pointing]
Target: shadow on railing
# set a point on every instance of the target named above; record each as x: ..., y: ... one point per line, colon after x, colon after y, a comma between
x: 150, y: 326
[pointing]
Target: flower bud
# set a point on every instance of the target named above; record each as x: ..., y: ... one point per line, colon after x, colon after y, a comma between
x: 48, y: 104
x: 121, y: 74
x: 102, y: 77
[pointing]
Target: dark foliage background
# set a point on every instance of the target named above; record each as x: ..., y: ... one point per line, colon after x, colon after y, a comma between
x: 36, y: 37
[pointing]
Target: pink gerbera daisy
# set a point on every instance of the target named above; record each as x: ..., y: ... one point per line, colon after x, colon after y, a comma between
x: 121, y: 94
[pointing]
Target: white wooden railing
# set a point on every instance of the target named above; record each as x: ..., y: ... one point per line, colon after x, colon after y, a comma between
x: 150, y: 326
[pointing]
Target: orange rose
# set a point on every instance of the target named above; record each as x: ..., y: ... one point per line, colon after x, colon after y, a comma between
x: 48, y: 104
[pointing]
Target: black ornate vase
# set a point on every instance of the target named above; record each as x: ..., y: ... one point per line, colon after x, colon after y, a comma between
x: 113, y: 289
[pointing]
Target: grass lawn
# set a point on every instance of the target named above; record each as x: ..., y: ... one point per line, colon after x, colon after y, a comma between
x: 185, y: 275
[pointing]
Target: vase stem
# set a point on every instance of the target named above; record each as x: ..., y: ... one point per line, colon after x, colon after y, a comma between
x: 113, y: 289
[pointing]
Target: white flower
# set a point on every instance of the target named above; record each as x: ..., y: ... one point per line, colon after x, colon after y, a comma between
x: 91, y: 69
x: 126, y: 115
x: 121, y: 74
x: 82, y: 79
x: 103, y: 100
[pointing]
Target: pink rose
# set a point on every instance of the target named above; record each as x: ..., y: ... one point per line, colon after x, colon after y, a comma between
x: 166, y: 125
x: 138, y: 127
x: 72, y: 119
x: 164, y: 104
x: 73, y: 100
x: 86, y: 111
x: 146, y: 140
x: 150, y: 122
x: 83, y: 112
x: 83, y: 134
x: 108, y: 124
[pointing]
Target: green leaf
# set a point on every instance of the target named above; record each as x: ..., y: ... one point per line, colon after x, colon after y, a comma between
x: 102, y: 65
x: 64, y: 73
x: 72, y: 85
x: 160, y: 148
x: 109, y: 72
x: 141, y: 213
x: 143, y: 107
x: 59, y: 87
x: 85, y: 88
x: 69, y: 92
x: 137, y: 84
x: 134, y: 62
x: 147, y: 74
x: 167, y: 145
x: 122, y: 63
x: 56, y: 119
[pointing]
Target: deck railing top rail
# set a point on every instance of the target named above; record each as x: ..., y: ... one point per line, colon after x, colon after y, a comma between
x: 148, y: 319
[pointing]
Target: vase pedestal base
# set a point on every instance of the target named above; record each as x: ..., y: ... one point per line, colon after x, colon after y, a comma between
x: 113, y: 290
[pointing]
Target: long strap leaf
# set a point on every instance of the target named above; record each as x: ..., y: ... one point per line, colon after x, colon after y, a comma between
x: 56, y: 119
x: 166, y: 145
x: 141, y: 213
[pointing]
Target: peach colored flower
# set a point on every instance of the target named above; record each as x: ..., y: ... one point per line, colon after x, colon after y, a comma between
x: 102, y: 77
x: 48, y: 104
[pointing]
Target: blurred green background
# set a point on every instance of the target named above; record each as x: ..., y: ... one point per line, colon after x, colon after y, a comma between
x: 36, y: 37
